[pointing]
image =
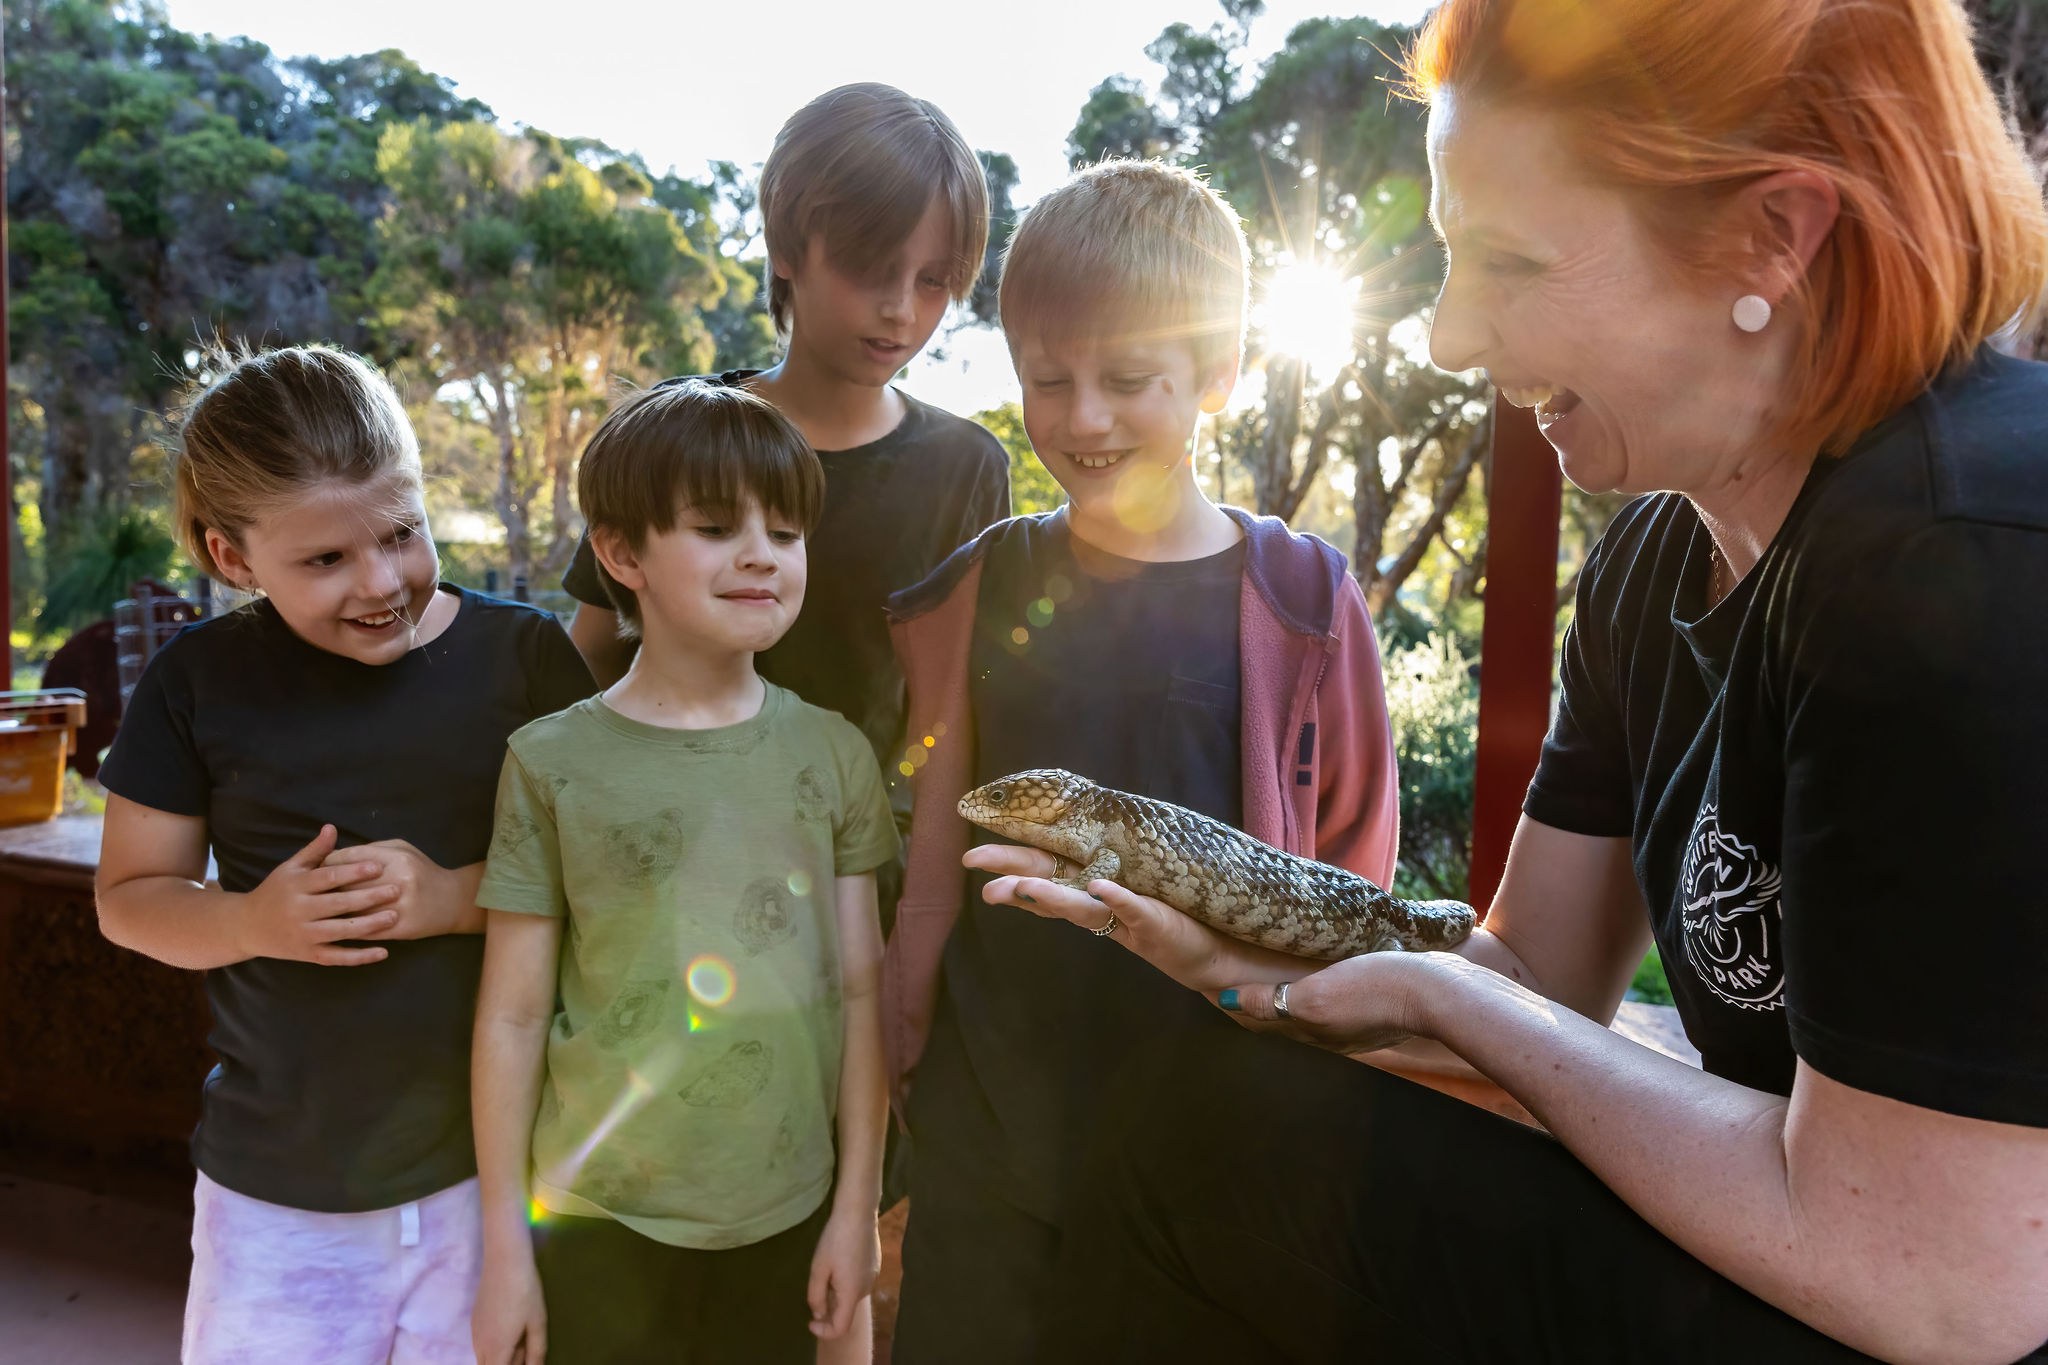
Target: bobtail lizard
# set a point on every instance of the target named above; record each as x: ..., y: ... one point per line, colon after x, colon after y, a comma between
x: 1208, y: 871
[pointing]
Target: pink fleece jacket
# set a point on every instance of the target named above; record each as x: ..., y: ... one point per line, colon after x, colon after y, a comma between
x: 1319, y: 774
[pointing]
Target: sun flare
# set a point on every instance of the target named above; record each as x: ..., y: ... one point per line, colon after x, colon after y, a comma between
x: 1309, y: 312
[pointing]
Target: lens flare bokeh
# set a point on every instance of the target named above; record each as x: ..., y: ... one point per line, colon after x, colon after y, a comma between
x: 711, y: 980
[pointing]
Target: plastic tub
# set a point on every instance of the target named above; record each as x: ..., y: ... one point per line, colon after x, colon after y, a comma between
x: 36, y: 731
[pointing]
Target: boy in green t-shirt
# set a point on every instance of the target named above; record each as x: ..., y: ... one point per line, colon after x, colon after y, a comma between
x: 678, y: 1055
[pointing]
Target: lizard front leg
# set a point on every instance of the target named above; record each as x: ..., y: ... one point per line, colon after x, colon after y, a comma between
x: 1102, y: 864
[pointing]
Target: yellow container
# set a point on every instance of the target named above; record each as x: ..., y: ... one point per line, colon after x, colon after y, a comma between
x: 36, y: 730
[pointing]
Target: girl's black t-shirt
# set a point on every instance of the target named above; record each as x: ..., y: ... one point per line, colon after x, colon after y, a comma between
x: 340, y: 1089
x: 1835, y: 782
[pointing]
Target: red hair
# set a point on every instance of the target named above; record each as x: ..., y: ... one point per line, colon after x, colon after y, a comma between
x: 1943, y: 237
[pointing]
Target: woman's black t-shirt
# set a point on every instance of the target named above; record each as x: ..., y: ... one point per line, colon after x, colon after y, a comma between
x: 340, y: 1089
x: 1835, y: 782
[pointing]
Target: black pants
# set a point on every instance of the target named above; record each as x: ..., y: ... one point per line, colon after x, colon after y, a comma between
x: 615, y: 1297
x: 977, y: 1270
x: 1277, y: 1203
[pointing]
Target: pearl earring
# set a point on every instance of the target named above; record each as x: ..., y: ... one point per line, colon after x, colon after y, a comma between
x: 1752, y: 312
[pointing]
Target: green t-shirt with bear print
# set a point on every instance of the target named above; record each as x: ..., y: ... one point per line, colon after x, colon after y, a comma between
x: 693, y: 1062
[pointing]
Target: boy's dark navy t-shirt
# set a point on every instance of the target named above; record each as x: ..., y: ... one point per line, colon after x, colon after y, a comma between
x: 1833, y: 779
x: 340, y: 1089
x: 894, y: 509
x: 1126, y: 673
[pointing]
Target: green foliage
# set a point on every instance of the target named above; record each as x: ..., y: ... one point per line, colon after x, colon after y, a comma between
x: 1118, y: 120
x: 719, y: 217
x: 1032, y: 488
x: 98, y: 564
x: 742, y: 334
x: 163, y: 186
x: 1000, y: 172
x: 1433, y: 702
x: 524, y: 275
x: 1650, y: 985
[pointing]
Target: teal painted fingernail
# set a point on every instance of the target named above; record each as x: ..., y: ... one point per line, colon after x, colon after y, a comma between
x: 1025, y: 896
x: 1227, y: 999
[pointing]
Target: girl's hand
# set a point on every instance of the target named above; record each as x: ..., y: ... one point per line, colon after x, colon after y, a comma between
x: 509, y: 1324
x: 1361, y: 1004
x: 313, y: 900
x: 431, y: 900
x: 843, y: 1271
x: 1185, y: 949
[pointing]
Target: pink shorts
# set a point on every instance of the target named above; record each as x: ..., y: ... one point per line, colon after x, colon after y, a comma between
x: 272, y: 1284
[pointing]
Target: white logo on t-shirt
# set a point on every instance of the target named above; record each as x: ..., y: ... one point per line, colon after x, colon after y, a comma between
x: 1731, y: 917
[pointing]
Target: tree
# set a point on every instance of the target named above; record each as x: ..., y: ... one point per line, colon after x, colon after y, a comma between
x: 1433, y: 707
x: 165, y: 187
x: 1000, y: 172
x: 720, y: 218
x: 1118, y: 120
x: 522, y: 278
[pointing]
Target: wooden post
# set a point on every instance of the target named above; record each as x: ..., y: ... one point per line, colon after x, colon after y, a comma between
x: 1524, y: 497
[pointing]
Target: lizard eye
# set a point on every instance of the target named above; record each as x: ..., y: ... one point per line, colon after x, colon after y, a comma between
x: 999, y: 795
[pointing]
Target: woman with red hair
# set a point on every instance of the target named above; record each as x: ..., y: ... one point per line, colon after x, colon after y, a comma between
x: 1748, y: 261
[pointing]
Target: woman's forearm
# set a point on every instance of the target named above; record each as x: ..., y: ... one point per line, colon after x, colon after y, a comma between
x: 1429, y: 1055
x: 1723, y: 1171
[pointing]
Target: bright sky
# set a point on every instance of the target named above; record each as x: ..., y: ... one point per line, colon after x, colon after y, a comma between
x: 685, y: 84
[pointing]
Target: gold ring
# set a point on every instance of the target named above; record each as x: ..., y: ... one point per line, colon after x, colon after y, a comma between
x: 1109, y: 926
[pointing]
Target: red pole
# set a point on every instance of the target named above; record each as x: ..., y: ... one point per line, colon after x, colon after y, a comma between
x: 1524, y: 494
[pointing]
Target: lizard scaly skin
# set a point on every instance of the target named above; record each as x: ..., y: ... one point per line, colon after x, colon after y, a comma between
x: 1208, y: 871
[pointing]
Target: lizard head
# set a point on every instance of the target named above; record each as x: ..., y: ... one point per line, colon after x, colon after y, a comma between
x: 1024, y: 804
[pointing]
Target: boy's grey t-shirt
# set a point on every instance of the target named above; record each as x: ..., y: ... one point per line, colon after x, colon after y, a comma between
x: 693, y: 1063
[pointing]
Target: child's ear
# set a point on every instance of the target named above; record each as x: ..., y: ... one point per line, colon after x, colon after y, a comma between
x: 617, y: 556
x: 1216, y: 391
x: 229, y: 559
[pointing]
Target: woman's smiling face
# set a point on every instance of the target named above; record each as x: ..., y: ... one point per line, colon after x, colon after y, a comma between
x: 1557, y: 289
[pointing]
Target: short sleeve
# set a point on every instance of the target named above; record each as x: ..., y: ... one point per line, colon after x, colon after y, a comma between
x: 556, y: 676
x: 864, y: 829
x: 523, y: 872
x: 1582, y: 780
x: 989, y: 501
x: 155, y: 761
x: 584, y: 579
x: 1915, y: 923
